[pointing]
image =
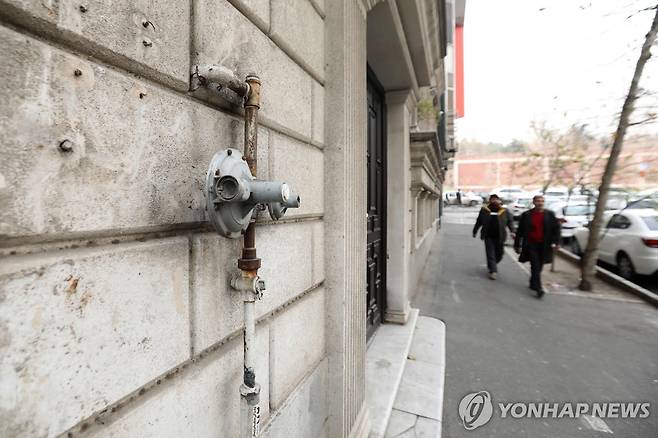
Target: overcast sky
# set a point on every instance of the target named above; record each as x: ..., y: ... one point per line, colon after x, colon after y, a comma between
x: 562, y: 61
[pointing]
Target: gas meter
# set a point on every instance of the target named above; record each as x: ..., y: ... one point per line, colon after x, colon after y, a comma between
x: 232, y: 194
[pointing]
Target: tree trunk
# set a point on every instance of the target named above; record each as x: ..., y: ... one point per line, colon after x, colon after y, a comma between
x: 588, y: 264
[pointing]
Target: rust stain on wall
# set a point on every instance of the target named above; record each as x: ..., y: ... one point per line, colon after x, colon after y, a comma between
x: 73, y: 285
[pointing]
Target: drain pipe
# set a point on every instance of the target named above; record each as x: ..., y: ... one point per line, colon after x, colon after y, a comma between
x: 247, y: 281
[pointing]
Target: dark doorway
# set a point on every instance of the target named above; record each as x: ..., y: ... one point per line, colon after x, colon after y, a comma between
x: 376, y: 250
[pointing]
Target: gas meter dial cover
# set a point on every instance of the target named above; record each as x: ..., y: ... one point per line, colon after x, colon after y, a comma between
x: 227, y: 169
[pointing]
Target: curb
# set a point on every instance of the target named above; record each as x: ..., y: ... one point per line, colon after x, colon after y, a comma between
x: 613, y: 279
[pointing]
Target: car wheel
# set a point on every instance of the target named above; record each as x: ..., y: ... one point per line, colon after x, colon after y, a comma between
x: 575, y: 247
x: 473, y: 203
x: 625, y: 266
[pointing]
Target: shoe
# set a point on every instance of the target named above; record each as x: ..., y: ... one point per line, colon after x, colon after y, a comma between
x: 492, y: 275
x: 540, y: 293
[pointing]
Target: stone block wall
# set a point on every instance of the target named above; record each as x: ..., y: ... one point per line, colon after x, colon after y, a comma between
x: 116, y: 318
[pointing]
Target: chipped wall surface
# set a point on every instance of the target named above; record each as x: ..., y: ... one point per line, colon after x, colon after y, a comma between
x: 116, y: 316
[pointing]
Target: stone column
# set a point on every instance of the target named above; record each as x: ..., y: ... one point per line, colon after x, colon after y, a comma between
x: 415, y: 217
x: 398, y: 205
x: 345, y: 216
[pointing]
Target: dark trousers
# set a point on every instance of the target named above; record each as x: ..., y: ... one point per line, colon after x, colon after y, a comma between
x: 536, y: 254
x: 494, y: 249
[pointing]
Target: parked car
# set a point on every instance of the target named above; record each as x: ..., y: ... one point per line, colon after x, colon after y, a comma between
x: 471, y: 198
x: 615, y: 203
x: 636, y: 204
x: 450, y: 198
x: 508, y: 194
x: 468, y: 198
x: 483, y: 195
x: 644, y: 199
x: 556, y: 194
x: 571, y: 216
x: 581, y: 199
x: 629, y: 241
x: 521, y: 204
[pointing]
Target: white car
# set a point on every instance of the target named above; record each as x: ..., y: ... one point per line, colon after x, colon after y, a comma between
x: 521, y: 204
x: 508, y: 194
x: 630, y: 241
x: 555, y: 194
x: 572, y: 215
x: 468, y: 198
x: 471, y: 198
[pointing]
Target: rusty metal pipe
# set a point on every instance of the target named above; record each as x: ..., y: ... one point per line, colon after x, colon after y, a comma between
x: 247, y: 282
x: 220, y: 75
x: 249, y: 263
x: 251, y: 107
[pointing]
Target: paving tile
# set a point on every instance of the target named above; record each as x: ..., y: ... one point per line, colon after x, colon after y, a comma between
x: 408, y: 434
x: 399, y: 422
x: 428, y: 344
x: 427, y: 428
x: 421, y: 389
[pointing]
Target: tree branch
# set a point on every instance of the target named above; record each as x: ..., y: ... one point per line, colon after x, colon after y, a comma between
x: 642, y: 10
x: 649, y: 119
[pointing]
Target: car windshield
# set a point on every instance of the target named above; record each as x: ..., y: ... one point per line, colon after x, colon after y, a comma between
x: 555, y: 194
x: 642, y: 203
x: 651, y: 221
x: 579, y: 210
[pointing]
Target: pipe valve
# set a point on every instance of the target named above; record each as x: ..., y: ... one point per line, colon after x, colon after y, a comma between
x: 246, y: 283
x: 232, y: 193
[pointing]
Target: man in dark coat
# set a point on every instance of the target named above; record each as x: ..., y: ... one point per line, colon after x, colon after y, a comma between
x: 494, y: 220
x: 538, y: 233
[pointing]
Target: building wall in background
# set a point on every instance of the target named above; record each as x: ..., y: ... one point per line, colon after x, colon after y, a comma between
x: 637, y: 169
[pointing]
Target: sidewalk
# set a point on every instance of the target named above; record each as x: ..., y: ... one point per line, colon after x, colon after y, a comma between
x: 418, y: 408
x: 405, y: 375
x: 564, y: 280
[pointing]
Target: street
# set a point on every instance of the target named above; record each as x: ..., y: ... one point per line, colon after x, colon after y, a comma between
x: 502, y: 339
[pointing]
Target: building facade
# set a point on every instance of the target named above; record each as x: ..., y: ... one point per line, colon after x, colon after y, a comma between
x: 116, y: 314
x: 637, y: 168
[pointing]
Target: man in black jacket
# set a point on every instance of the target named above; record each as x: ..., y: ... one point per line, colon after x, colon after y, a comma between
x: 494, y: 220
x: 537, y: 235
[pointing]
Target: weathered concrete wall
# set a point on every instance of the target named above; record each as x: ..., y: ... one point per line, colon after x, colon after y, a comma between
x: 115, y: 314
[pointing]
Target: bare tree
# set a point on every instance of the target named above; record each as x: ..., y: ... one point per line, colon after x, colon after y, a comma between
x: 561, y: 156
x: 588, y: 264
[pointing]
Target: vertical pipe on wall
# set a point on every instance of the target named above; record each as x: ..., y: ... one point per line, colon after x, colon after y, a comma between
x: 249, y: 263
x: 247, y: 282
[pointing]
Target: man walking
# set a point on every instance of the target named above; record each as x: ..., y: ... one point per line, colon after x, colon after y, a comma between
x: 494, y: 220
x: 537, y: 235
